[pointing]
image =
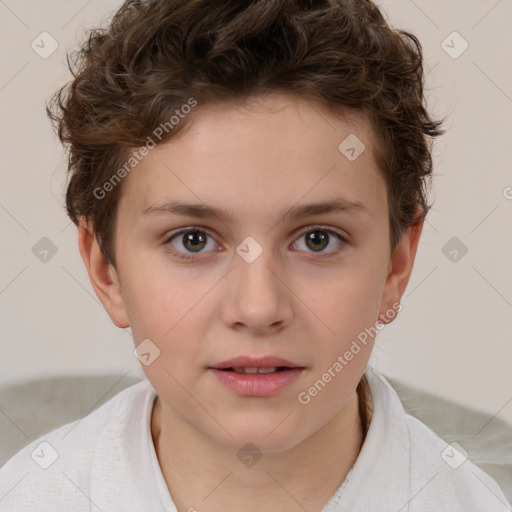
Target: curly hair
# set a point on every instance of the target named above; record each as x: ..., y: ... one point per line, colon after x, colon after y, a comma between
x: 155, y: 55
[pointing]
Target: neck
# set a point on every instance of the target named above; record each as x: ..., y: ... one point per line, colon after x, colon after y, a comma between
x: 203, y: 474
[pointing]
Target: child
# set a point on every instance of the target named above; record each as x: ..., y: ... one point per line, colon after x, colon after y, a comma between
x: 212, y: 146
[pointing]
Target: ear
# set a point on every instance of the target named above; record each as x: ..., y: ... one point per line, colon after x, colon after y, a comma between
x: 400, y: 268
x: 102, y: 274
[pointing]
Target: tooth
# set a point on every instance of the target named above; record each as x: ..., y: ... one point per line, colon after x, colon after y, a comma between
x: 267, y: 370
x: 255, y: 370
x: 246, y: 370
x: 250, y: 370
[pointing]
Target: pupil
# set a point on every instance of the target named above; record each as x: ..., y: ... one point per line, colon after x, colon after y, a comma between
x: 317, y: 237
x: 192, y: 239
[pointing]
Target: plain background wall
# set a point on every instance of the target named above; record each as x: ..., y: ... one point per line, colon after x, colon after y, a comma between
x: 454, y: 333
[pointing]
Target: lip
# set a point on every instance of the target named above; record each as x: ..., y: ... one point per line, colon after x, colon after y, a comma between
x: 257, y: 385
x: 255, y: 362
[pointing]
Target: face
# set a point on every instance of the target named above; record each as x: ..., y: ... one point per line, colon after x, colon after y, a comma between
x: 261, y: 276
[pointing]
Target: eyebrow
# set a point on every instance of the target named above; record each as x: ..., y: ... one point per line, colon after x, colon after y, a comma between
x: 296, y: 212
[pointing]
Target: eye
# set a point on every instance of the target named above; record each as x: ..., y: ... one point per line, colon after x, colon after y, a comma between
x: 189, y: 242
x: 318, y: 238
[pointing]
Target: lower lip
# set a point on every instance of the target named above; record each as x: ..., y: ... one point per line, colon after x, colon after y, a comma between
x: 254, y: 384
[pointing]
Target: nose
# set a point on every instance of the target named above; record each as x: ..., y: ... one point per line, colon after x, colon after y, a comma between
x: 258, y: 298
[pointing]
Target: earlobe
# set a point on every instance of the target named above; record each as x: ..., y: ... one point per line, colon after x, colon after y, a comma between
x: 400, y: 269
x: 102, y: 274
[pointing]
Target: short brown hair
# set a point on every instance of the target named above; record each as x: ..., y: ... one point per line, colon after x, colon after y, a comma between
x: 157, y: 54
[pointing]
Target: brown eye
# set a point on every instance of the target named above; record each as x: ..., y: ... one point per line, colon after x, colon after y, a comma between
x: 188, y: 242
x: 194, y: 240
x: 316, y: 240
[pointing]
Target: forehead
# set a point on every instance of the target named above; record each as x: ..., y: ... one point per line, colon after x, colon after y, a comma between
x: 260, y: 155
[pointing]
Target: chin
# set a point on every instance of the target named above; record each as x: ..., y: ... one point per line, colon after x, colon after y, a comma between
x: 267, y: 437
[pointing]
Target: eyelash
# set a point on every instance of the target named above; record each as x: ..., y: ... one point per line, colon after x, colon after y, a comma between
x: 190, y: 256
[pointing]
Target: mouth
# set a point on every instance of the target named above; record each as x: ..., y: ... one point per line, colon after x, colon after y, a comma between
x: 261, y: 371
x: 254, y: 364
x: 257, y: 377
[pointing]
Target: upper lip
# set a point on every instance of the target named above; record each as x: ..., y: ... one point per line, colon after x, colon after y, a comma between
x: 255, y: 362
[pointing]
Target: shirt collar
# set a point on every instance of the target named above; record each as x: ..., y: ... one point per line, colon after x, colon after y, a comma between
x: 380, y: 478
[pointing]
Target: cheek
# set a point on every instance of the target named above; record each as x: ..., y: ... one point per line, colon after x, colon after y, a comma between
x: 164, y: 312
x: 159, y: 297
x: 346, y: 302
x: 168, y: 307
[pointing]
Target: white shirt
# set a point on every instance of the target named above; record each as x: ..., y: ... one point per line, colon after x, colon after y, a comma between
x: 107, y: 462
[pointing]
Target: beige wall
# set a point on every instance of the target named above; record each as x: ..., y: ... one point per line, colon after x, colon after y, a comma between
x: 454, y: 333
